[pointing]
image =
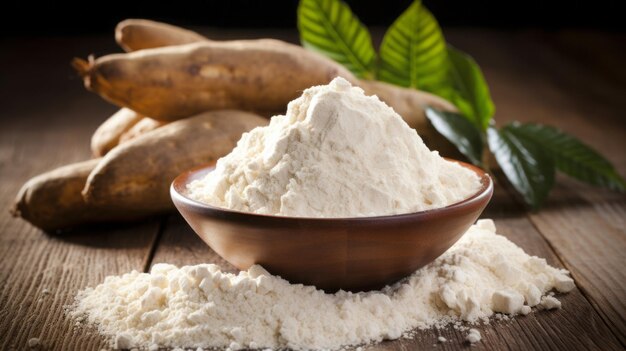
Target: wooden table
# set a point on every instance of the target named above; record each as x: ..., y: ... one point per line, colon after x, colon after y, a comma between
x: 573, y: 79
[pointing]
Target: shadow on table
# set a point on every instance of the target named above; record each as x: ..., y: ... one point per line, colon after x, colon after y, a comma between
x: 114, y: 235
x: 507, y: 203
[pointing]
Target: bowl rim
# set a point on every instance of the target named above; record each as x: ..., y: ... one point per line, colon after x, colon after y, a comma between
x: 180, y: 182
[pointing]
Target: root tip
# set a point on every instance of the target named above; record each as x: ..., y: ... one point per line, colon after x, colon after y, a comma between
x: 83, y: 66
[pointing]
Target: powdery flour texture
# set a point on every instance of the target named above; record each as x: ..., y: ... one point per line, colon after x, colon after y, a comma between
x: 200, y: 306
x: 336, y: 153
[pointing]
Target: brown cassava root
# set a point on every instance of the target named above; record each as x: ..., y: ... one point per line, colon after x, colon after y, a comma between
x: 174, y: 82
x: 53, y: 201
x: 409, y: 103
x: 108, y: 134
x: 137, y: 174
x: 139, y: 34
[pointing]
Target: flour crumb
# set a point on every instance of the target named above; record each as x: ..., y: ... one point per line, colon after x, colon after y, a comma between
x: 507, y: 301
x: 501, y: 317
x: 550, y: 302
x: 486, y: 224
x: 122, y: 341
x: 34, y: 342
x: 202, y: 306
x: 563, y: 283
x: 441, y: 339
x: 525, y: 310
x: 335, y: 153
x: 473, y: 336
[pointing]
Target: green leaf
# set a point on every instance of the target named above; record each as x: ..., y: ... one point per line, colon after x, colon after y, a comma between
x: 571, y: 156
x: 459, y: 131
x: 527, y: 166
x: 413, y: 51
x: 473, y: 97
x: 328, y: 26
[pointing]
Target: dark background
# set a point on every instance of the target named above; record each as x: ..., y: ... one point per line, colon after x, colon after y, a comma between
x: 89, y: 17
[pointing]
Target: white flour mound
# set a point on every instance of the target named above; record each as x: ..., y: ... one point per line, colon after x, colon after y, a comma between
x: 200, y: 306
x: 336, y: 153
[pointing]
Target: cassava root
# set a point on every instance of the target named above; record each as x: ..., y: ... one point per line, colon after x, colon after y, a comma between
x: 211, y: 80
x: 53, y: 201
x: 137, y: 174
x: 108, y: 134
x: 138, y: 34
x: 175, y: 82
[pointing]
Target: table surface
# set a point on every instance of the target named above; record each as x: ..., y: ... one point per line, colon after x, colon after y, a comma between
x: 572, y: 79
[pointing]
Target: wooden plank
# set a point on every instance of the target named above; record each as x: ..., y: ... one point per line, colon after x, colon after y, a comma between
x: 593, y: 249
x: 47, y: 121
x: 180, y: 246
x: 577, y: 326
x: 577, y: 308
x: 55, y: 130
x: 41, y: 274
x: 532, y: 81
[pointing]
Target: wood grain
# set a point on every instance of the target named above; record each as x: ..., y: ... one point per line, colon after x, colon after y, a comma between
x: 577, y: 326
x: 178, y: 245
x: 584, y: 225
x: 534, y: 76
x: 532, y: 80
x: 41, y: 273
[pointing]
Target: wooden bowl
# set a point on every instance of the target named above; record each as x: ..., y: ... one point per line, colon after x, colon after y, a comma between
x: 355, y: 254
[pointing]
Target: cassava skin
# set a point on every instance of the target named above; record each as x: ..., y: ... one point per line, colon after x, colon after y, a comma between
x: 409, y: 103
x: 137, y: 174
x: 144, y: 126
x: 175, y: 82
x: 53, y: 201
x: 139, y: 34
x: 108, y: 134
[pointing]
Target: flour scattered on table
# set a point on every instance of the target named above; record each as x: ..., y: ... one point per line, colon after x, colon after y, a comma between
x: 33, y: 343
x: 331, y: 155
x: 473, y: 336
x: 550, y: 302
x: 201, y: 306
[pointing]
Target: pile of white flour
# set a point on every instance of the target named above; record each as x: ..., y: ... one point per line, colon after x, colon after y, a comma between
x: 336, y: 153
x: 200, y: 306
